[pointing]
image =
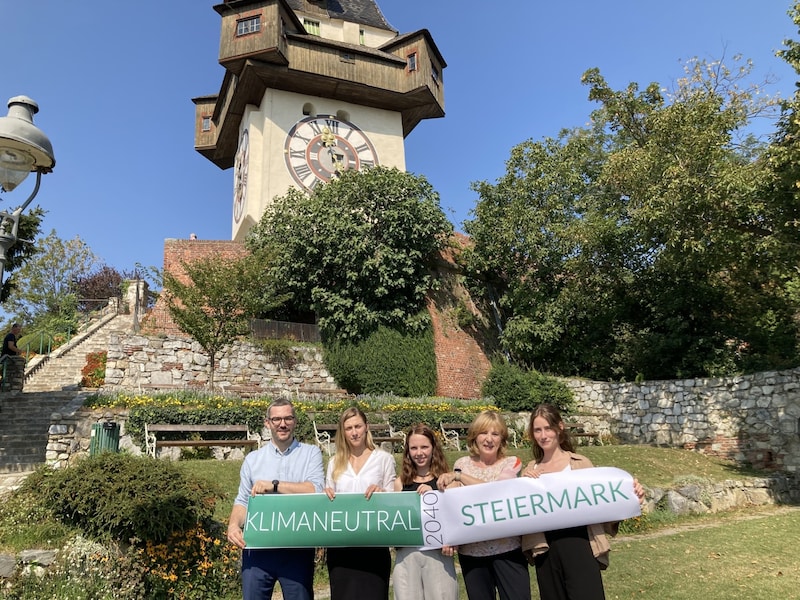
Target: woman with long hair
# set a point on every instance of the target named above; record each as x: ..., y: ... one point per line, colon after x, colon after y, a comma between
x: 568, y: 561
x: 358, y: 466
x: 423, y: 574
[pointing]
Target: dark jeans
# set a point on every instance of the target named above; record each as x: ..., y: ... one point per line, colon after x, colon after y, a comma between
x: 293, y: 567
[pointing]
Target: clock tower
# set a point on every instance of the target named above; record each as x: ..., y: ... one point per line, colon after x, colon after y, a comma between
x: 312, y: 88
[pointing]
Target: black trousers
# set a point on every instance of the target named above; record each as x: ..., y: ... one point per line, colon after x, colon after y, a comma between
x: 569, y: 570
x: 507, y: 573
x: 359, y: 573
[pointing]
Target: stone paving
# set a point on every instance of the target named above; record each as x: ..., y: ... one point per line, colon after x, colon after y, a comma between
x: 11, y: 481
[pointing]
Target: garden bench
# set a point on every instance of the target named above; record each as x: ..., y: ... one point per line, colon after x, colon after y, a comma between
x: 382, y: 433
x: 454, y: 433
x: 153, y: 443
x: 580, y: 431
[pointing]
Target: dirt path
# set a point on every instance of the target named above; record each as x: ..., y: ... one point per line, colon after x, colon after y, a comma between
x: 761, y: 514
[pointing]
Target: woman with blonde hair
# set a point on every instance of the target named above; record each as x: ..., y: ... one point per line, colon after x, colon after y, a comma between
x: 494, y: 565
x: 358, y: 466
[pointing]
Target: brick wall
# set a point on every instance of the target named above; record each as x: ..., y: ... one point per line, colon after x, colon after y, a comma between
x: 176, y: 253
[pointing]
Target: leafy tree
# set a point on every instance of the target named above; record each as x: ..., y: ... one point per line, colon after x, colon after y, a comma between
x: 783, y: 160
x: 100, y: 284
x: 644, y: 244
x: 357, y: 251
x: 45, y: 290
x: 23, y: 250
x: 217, y: 298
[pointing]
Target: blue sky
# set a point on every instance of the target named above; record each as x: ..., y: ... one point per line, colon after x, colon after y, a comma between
x: 114, y: 82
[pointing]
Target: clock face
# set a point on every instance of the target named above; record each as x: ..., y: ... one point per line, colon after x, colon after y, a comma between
x: 319, y: 148
x: 240, y: 176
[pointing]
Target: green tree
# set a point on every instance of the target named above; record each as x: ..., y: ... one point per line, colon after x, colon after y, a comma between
x: 23, y: 250
x: 357, y: 251
x: 783, y: 160
x: 642, y: 245
x: 217, y: 298
x: 45, y: 294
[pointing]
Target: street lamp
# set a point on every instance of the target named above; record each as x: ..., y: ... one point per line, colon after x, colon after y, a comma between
x: 24, y: 149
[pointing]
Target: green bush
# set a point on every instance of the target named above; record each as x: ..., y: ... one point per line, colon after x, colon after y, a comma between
x: 386, y: 362
x: 514, y: 389
x: 122, y: 497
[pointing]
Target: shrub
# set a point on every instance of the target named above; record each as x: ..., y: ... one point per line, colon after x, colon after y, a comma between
x: 194, y: 564
x: 122, y: 497
x: 94, y: 372
x: 515, y: 390
x: 386, y: 362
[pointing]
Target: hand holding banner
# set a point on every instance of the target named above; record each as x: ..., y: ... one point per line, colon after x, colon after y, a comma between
x: 461, y: 515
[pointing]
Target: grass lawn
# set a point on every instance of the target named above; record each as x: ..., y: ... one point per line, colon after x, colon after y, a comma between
x: 751, y: 558
x: 748, y: 553
x: 737, y: 554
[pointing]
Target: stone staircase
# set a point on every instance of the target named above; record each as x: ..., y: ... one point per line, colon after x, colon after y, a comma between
x: 61, y: 370
x: 51, y: 383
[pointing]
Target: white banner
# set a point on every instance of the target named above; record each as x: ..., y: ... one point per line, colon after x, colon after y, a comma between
x: 513, y: 507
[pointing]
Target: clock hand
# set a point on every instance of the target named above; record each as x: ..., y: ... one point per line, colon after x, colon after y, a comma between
x: 329, y: 141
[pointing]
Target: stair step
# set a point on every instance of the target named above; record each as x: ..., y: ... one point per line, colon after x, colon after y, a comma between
x: 25, y: 416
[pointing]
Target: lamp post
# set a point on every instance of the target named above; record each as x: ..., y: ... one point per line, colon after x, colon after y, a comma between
x: 24, y: 149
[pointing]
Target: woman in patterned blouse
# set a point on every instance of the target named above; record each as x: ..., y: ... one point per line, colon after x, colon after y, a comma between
x: 494, y: 565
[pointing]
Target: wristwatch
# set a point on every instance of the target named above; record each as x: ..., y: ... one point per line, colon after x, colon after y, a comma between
x: 458, y: 474
x: 275, y: 483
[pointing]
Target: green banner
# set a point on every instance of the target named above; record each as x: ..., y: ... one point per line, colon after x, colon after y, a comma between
x: 309, y: 520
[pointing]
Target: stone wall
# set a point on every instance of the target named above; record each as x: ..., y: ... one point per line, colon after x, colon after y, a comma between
x: 70, y: 436
x: 138, y: 362
x: 750, y: 419
x: 13, y: 373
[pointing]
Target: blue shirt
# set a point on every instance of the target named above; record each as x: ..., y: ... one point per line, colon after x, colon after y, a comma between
x: 300, y: 462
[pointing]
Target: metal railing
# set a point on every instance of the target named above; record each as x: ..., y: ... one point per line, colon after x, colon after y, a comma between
x: 263, y: 329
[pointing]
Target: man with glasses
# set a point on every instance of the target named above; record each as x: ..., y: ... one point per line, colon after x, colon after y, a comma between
x: 283, y: 466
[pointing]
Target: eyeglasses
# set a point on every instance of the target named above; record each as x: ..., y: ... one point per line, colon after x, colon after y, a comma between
x: 277, y: 420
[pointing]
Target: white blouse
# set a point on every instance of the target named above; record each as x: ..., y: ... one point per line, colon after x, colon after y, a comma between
x: 379, y: 470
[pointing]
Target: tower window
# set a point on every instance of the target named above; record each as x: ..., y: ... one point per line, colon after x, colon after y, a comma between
x: 435, y: 74
x: 206, y: 125
x: 312, y: 27
x: 362, y: 35
x: 248, y: 25
x: 412, y: 62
